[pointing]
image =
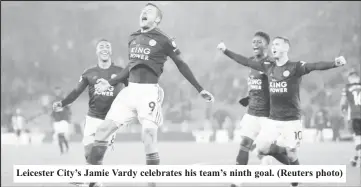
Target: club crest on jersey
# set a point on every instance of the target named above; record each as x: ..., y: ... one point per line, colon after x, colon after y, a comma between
x: 152, y: 42
x: 173, y: 44
x: 113, y: 76
x: 286, y: 73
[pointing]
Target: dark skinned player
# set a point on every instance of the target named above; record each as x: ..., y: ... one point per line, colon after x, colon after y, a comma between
x: 99, y: 102
x: 149, y: 48
x: 257, y: 101
x: 284, y: 77
x: 351, y: 103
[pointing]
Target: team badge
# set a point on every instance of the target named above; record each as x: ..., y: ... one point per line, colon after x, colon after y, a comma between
x: 173, y: 44
x: 113, y: 76
x: 286, y: 73
x: 152, y: 42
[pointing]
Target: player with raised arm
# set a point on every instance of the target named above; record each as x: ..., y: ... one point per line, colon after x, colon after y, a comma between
x: 284, y: 77
x: 99, y: 102
x: 61, y: 122
x: 149, y: 48
x: 257, y: 101
x: 351, y: 103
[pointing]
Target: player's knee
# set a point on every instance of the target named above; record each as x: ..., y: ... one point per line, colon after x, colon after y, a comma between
x: 246, y: 143
x: 149, y: 138
x: 105, y: 130
x: 264, y: 147
x: 88, y: 140
x: 358, y: 147
x: 292, y: 154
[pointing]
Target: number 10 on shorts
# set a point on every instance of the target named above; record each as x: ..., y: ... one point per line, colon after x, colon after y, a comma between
x: 298, y: 135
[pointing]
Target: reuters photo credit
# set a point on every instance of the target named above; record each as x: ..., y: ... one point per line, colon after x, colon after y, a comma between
x: 181, y: 93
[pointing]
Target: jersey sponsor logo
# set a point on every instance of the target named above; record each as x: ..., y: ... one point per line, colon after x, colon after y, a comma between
x: 286, y: 73
x: 278, y: 87
x: 152, y: 42
x: 357, y: 98
x: 109, y: 92
x: 140, y: 52
x: 113, y: 76
x: 254, y: 84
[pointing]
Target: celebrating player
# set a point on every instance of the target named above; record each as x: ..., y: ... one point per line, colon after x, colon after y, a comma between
x: 99, y: 102
x: 284, y: 77
x: 61, y: 120
x: 257, y: 100
x: 351, y: 100
x: 149, y: 48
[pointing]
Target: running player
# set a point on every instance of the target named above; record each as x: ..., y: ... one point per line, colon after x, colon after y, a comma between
x: 351, y: 102
x: 284, y: 77
x: 61, y: 122
x: 258, y: 103
x: 99, y: 102
x: 149, y: 48
x: 257, y: 100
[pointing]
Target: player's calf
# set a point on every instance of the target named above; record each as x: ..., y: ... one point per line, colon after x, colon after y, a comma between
x: 60, y: 142
x: 100, y: 145
x: 357, y: 157
x: 243, y: 153
x: 149, y: 138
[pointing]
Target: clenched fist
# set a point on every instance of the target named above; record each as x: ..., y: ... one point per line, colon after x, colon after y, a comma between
x: 340, y: 61
x: 207, y: 96
x: 221, y: 46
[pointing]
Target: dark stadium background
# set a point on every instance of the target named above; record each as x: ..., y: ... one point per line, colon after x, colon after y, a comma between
x: 48, y: 44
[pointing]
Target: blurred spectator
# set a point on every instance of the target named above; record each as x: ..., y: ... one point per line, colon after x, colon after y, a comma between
x: 320, y: 122
x: 18, y: 124
x: 336, y: 124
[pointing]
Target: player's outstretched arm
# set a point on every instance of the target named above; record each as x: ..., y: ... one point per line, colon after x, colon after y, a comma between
x: 305, y: 68
x: 240, y: 59
x: 188, y: 74
x: 75, y: 93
